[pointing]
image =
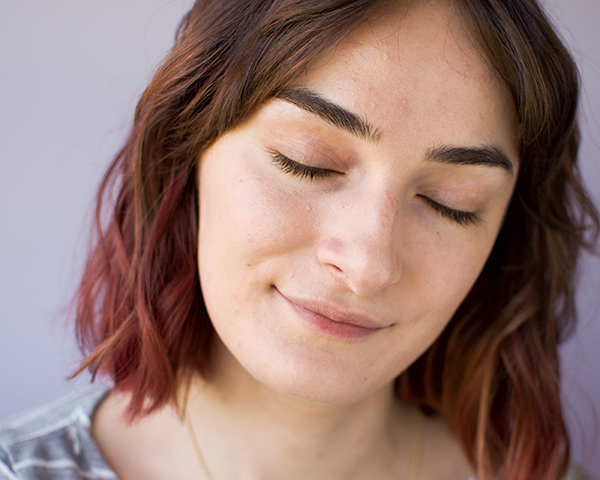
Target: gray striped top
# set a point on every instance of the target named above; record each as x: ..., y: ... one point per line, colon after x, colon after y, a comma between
x: 54, y: 442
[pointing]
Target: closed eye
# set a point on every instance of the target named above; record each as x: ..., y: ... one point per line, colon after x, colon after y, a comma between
x: 300, y: 170
x: 459, y: 216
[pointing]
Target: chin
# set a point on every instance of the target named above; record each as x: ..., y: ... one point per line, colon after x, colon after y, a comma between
x: 321, y: 384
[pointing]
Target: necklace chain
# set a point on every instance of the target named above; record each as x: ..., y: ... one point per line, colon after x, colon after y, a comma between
x: 196, y: 446
x: 415, y: 462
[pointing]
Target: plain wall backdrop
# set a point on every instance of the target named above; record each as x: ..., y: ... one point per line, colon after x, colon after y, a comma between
x: 70, y: 74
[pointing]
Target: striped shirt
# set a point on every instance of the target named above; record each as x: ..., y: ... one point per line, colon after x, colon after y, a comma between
x: 54, y: 442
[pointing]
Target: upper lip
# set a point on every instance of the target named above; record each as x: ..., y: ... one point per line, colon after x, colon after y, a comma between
x: 336, y: 313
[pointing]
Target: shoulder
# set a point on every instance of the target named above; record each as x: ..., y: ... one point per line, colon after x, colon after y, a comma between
x: 54, y: 442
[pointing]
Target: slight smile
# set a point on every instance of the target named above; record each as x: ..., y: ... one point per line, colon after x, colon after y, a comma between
x: 329, y: 320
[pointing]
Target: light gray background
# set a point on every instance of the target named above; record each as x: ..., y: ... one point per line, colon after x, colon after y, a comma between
x: 70, y: 74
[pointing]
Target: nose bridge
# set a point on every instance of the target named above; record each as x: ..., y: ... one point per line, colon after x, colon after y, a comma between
x: 363, y: 245
x: 375, y: 220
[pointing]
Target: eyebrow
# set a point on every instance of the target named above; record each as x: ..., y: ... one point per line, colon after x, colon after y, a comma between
x: 330, y: 112
x: 341, y: 118
x: 488, y: 156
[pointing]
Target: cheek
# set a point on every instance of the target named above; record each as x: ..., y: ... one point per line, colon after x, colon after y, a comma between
x: 275, y: 223
x: 246, y: 222
x: 441, y: 270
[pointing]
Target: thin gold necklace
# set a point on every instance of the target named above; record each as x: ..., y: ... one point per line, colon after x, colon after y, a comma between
x: 415, y: 462
x: 196, y: 446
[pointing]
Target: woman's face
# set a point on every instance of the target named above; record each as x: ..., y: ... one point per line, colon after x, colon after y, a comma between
x: 342, y: 225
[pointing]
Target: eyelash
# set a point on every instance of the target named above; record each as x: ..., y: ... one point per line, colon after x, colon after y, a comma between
x: 309, y: 172
x: 459, y: 216
x: 299, y: 169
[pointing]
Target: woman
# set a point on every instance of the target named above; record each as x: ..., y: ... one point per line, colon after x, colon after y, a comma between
x: 342, y: 245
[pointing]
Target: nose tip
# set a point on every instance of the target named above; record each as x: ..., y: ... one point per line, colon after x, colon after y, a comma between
x: 366, y: 267
x: 360, y: 240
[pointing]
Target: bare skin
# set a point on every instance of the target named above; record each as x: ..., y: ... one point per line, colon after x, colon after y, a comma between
x: 323, y: 290
x: 235, y: 435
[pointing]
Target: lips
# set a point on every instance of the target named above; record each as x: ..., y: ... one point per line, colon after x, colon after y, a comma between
x: 332, y: 321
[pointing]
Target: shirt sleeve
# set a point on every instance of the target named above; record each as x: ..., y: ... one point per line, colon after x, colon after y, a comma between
x: 6, y: 469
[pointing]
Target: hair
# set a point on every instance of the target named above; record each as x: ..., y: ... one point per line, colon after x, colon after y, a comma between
x: 493, y: 373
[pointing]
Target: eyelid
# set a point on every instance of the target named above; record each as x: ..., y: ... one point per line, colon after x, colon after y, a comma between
x: 310, y: 172
x: 461, y: 217
x: 297, y: 169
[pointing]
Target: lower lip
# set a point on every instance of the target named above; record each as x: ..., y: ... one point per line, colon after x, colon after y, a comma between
x: 324, y: 325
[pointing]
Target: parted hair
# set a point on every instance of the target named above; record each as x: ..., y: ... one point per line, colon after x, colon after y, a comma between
x: 494, y: 372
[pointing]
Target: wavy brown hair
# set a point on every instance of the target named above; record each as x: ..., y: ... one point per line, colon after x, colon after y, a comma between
x: 494, y: 371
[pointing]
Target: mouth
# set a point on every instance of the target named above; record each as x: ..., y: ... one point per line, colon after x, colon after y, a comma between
x: 328, y: 320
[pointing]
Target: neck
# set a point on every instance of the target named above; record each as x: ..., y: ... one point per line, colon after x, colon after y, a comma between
x: 267, y: 432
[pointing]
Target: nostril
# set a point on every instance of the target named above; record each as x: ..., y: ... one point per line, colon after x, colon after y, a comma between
x: 366, y: 261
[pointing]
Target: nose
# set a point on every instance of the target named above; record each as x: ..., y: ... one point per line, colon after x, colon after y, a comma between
x: 361, y: 243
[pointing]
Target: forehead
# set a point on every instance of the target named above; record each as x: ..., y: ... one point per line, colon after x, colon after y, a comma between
x: 416, y: 69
